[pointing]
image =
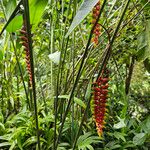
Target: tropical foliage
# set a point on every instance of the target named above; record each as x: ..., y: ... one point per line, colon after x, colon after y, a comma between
x: 51, y: 54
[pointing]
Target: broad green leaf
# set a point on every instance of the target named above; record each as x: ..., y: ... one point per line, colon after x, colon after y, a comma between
x: 15, y: 24
x: 83, y: 11
x: 139, y: 139
x: 10, y: 7
x: 36, y: 10
x: 120, y: 124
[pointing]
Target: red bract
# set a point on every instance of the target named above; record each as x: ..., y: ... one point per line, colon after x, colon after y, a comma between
x: 98, y: 103
x: 25, y: 44
x: 96, y: 32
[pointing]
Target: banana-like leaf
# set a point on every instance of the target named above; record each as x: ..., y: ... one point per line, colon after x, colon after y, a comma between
x: 83, y: 11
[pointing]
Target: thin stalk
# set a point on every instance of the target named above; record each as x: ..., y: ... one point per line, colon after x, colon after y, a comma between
x: 128, y: 79
x: 73, y: 68
x: 78, y: 75
x: 103, y: 63
x: 59, y: 74
x: 27, y: 19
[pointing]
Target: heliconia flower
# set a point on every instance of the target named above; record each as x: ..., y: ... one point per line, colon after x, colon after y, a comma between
x: 97, y: 30
x: 98, y: 102
x: 25, y: 44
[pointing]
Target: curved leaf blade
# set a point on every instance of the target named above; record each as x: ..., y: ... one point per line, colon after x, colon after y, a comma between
x: 83, y: 11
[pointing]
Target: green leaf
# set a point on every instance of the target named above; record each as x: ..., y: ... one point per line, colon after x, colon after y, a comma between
x: 79, y: 102
x: 10, y: 7
x: 36, y: 10
x: 88, y: 92
x: 13, y: 145
x: 4, y: 144
x: 83, y: 11
x: 144, y: 43
x: 2, y: 127
x: 15, y: 24
x: 85, y: 140
x: 147, y: 64
x: 120, y: 135
x: 139, y: 139
x: 120, y: 124
x: 146, y: 125
x: 30, y: 141
x: 1, y: 55
x: 76, y: 100
x: 90, y: 147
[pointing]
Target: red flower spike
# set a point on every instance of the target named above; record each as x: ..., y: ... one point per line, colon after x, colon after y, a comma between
x: 98, y: 102
x: 25, y: 44
x: 95, y: 14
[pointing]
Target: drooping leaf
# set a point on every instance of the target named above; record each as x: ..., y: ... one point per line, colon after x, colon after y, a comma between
x: 83, y: 11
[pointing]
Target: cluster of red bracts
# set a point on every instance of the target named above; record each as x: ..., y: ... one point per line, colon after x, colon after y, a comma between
x: 98, y: 102
x: 25, y: 44
x: 96, y: 32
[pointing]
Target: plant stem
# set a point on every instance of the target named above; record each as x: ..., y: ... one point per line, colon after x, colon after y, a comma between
x: 128, y: 79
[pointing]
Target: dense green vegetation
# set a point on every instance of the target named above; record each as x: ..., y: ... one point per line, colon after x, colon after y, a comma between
x: 45, y: 95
